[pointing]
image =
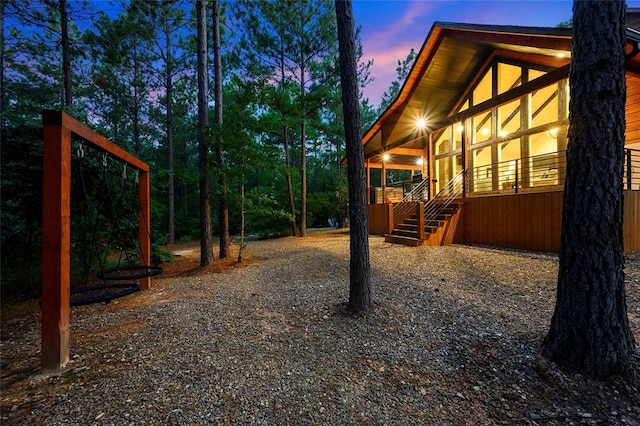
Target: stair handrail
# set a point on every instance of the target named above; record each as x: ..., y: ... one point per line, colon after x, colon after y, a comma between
x: 403, y: 209
x: 452, y: 190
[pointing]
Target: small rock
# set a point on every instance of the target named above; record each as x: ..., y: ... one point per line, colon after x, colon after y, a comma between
x: 533, y: 416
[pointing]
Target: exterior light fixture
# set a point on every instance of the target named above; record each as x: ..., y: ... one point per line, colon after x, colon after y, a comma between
x: 419, y: 161
x: 385, y: 157
x: 421, y: 123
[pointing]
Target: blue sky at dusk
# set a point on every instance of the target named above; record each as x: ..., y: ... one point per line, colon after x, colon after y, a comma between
x: 390, y: 28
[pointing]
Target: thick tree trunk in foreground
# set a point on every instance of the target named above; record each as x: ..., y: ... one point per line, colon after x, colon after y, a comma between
x: 359, y: 267
x: 590, y: 329
x: 206, y: 246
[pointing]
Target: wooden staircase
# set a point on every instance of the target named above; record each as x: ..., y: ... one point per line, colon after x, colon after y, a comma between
x: 408, y: 232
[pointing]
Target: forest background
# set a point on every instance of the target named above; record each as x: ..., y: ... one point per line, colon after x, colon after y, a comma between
x: 128, y: 70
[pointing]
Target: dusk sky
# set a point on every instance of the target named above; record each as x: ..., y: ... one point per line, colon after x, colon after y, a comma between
x: 390, y: 28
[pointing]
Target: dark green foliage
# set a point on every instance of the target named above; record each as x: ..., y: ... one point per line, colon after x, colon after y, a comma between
x: 21, y: 212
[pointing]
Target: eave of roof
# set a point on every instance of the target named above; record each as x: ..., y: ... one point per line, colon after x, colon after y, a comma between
x: 449, y: 72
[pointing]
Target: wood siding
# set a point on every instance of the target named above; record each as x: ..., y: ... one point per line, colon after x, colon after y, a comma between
x: 380, y: 218
x: 533, y: 221
x: 632, y: 108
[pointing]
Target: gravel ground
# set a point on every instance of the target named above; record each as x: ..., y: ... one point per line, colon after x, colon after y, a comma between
x: 452, y: 340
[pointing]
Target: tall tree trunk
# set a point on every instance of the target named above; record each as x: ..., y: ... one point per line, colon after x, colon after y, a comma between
x: 223, y: 203
x: 303, y: 158
x: 136, y: 105
x: 171, y: 190
x: 590, y: 330
x: 292, y: 203
x: 303, y: 176
x: 66, y: 55
x: 360, y: 297
x: 2, y: 5
x: 206, y: 246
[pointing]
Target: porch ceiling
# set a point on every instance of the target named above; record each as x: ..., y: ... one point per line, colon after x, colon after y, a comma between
x: 450, y: 58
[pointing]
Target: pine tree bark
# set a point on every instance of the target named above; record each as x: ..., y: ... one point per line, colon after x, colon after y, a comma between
x: 66, y: 55
x: 360, y: 298
x: 171, y: 189
x: 223, y: 204
x: 206, y: 246
x: 590, y: 330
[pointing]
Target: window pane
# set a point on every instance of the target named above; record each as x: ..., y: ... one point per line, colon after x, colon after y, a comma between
x: 457, y: 136
x: 481, y: 125
x: 509, y: 118
x: 509, y: 77
x: 508, y: 167
x: 443, y: 173
x: 442, y: 145
x: 544, y: 106
x: 482, y: 172
x: 482, y: 91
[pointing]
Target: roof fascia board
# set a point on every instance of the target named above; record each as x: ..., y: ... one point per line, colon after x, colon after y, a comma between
x: 423, y: 58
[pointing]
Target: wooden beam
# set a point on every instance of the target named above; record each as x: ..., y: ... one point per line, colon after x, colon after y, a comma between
x: 59, y: 128
x: 88, y: 136
x: 56, y: 243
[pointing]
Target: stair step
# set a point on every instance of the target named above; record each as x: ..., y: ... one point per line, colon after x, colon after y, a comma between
x: 408, y: 226
x: 435, y: 222
x: 405, y: 232
x: 407, y: 241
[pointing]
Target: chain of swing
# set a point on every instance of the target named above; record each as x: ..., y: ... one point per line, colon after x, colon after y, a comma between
x: 106, y: 233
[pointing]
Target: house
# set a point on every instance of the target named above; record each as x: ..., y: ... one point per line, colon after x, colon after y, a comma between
x: 472, y: 150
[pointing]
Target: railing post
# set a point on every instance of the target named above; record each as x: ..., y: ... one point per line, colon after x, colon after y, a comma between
x: 421, y: 230
x: 389, y: 208
x: 517, y: 173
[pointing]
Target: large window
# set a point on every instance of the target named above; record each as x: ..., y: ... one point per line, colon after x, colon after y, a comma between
x: 531, y: 127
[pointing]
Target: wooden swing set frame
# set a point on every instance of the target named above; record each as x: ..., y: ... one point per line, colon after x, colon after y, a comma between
x: 59, y: 129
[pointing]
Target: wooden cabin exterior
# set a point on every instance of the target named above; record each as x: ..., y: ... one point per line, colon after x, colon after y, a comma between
x: 472, y: 150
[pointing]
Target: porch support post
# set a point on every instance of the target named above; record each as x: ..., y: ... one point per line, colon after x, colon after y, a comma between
x: 368, y: 173
x: 383, y: 180
x: 56, y: 240
x: 430, y: 165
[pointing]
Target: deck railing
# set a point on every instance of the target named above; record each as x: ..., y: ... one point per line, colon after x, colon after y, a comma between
x: 632, y: 169
x: 531, y: 173
x: 404, y: 208
x: 443, y: 199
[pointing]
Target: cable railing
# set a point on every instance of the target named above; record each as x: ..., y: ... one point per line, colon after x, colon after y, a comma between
x: 443, y: 199
x: 546, y: 170
x: 407, y: 205
x: 631, y: 180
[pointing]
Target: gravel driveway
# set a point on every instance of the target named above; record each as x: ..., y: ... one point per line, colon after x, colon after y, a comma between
x: 452, y: 340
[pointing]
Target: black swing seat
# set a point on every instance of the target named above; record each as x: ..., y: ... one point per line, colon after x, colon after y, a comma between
x: 101, y: 293
x: 131, y: 272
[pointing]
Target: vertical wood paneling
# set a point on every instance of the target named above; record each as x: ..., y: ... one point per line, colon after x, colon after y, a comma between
x: 533, y: 221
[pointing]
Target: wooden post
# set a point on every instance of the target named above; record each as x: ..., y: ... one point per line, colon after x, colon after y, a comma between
x: 143, y: 225
x: 56, y: 227
x: 420, y: 212
x: 389, y: 208
x: 56, y: 242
